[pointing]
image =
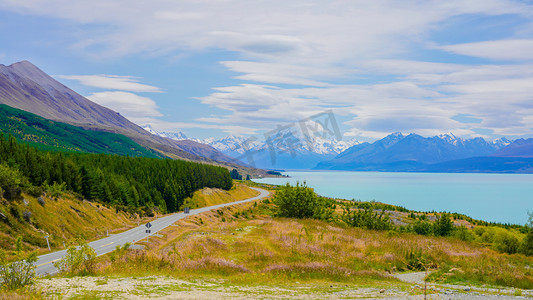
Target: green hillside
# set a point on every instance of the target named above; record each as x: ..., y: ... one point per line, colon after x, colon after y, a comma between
x: 50, y: 135
x: 117, y: 180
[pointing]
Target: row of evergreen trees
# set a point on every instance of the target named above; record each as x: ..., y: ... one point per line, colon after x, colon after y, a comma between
x: 113, y: 179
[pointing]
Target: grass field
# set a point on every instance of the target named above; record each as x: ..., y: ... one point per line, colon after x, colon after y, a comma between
x: 245, y: 251
x: 244, y: 244
x: 62, y: 218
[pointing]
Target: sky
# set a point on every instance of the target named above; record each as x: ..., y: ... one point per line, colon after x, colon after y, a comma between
x: 219, y: 67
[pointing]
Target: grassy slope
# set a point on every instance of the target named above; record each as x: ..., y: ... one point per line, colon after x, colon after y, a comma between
x: 63, y: 219
x: 208, y: 196
x: 66, y: 218
x: 245, y: 245
x: 50, y: 135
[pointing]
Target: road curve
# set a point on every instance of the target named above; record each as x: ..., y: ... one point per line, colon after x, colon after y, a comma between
x: 44, y: 264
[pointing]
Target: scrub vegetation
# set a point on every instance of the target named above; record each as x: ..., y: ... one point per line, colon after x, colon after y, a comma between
x: 252, y: 244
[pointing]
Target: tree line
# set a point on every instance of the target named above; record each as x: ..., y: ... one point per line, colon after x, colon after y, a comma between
x: 112, y: 179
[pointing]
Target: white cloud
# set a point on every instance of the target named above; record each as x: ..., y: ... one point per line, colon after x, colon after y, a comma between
x: 113, y: 82
x: 132, y: 106
x: 299, y: 31
x: 498, y: 50
x: 331, y: 51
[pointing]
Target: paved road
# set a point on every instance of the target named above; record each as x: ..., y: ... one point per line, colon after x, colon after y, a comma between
x: 45, y: 262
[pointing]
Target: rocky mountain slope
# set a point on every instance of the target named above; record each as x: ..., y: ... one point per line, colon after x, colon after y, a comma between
x: 26, y: 87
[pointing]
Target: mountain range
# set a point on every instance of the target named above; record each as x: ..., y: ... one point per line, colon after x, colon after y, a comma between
x: 300, y: 154
x: 443, y: 153
x: 395, y: 152
x: 26, y: 87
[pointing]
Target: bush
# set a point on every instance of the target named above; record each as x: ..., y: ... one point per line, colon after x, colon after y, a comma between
x: 35, y: 191
x: 526, y: 247
x: 301, y: 202
x: 55, y: 190
x: 27, y: 216
x: 17, y: 274
x: 505, y: 242
x: 463, y: 234
x: 423, y: 227
x: 120, y: 251
x: 443, y: 226
x: 11, y: 182
x: 78, y: 261
x: 366, y: 218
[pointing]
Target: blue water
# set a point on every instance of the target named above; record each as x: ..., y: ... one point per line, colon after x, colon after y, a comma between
x: 505, y: 198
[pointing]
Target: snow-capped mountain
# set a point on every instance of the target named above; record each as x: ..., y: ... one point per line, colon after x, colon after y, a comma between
x: 408, y: 152
x: 282, y: 150
x: 234, y: 145
x: 178, y: 135
x: 240, y: 145
x: 285, y: 150
x: 501, y: 143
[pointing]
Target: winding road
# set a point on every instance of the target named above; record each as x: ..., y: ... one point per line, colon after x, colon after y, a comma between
x: 44, y: 264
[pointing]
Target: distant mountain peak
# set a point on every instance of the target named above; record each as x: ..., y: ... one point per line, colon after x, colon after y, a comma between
x: 175, y: 135
x: 399, y: 152
x: 396, y: 134
x: 150, y: 129
x: 448, y: 135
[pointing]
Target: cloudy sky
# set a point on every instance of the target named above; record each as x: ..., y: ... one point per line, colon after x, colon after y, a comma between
x: 210, y: 68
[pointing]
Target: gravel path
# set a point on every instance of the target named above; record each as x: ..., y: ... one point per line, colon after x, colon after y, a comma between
x: 451, y: 291
x: 158, y: 287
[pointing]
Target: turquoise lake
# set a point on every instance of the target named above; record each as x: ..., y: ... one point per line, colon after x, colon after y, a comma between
x: 505, y: 198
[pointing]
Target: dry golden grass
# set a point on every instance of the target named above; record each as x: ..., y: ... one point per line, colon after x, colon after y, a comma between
x: 62, y: 219
x: 209, y: 196
x: 66, y: 218
x: 21, y: 294
x: 243, y: 244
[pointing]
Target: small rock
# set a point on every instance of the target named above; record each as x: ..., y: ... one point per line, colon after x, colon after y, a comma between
x: 416, y: 286
x: 466, y: 289
x: 382, y: 291
x: 331, y: 286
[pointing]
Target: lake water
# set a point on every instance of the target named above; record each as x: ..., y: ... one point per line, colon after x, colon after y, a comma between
x: 505, y: 198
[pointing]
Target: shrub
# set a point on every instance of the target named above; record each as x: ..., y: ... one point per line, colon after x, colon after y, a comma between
x: 55, y: 190
x: 27, y: 216
x: 11, y: 182
x: 14, y: 212
x: 17, y: 274
x: 366, y: 218
x: 443, y: 226
x: 78, y: 261
x: 505, y: 242
x: 301, y: 202
x: 526, y: 247
x: 423, y: 227
x: 463, y: 234
x: 35, y: 191
x: 119, y: 252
